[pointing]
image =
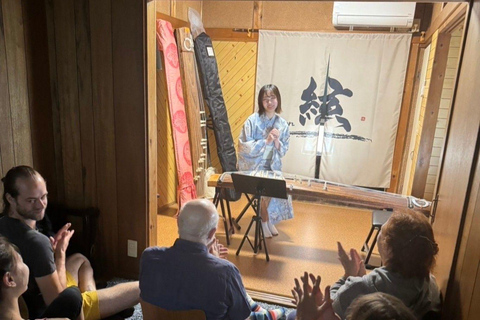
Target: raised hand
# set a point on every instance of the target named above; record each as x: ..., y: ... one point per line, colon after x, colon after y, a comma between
x: 352, y: 263
x: 311, y: 303
x: 61, y: 240
x: 217, y: 249
x: 275, y: 133
x: 222, y: 251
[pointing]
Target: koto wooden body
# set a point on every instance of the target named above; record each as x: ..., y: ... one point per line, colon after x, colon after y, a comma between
x: 194, y: 109
x: 343, y: 195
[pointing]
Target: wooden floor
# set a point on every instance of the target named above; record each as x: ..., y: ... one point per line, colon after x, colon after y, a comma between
x: 306, y: 243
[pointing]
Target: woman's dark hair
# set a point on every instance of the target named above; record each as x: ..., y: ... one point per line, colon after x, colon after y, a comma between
x: 266, y: 89
x: 378, y: 306
x: 408, y: 239
x: 10, y: 183
x: 7, y: 257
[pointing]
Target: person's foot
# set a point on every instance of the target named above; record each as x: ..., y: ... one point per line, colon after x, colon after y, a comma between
x: 266, y: 230
x: 272, y: 229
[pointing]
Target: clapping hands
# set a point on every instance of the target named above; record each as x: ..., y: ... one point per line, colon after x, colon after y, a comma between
x: 218, y: 249
x: 352, y: 263
x: 62, y: 239
x: 310, y: 301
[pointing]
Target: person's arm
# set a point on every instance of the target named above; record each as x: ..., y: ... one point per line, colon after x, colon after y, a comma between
x: 247, y: 145
x: 283, y: 142
x: 60, y: 244
x: 238, y: 305
x: 50, y: 286
x: 344, y: 294
x: 310, y: 301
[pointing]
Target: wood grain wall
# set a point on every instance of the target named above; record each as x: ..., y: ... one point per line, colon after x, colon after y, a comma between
x: 99, y: 119
x: 19, y: 100
x: 456, y: 226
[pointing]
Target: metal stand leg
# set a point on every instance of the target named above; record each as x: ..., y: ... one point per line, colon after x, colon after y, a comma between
x: 237, y: 220
x: 218, y: 198
x: 259, y: 236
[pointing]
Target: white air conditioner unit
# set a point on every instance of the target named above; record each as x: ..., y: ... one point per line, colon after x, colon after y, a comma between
x: 373, y: 14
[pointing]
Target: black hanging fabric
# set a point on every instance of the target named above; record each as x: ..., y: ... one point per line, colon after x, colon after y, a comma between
x: 213, y: 96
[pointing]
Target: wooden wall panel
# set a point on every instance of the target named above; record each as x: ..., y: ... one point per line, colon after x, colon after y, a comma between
x: 7, y: 153
x: 13, y: 34
x: 152, y: 135
x: 181, y: 8
x: 430, y: 114
x: 129, y: 78
x: 57, y: 131
x: 40, y: 99
x: 227, y: 14
x: 104, y: 129
x: 97, y: 67
x: 85, y: 103
x: 298, y: 15
x: 67, y: 82
x: 398, y: 171
x: 459, y: 205
x: 461, y: 145
x: 422, y: 110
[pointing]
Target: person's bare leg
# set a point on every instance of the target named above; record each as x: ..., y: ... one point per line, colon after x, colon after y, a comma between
x: 264, y: 215
x: 81, y: 270
x: 117, y: 298
x: 263, y: 209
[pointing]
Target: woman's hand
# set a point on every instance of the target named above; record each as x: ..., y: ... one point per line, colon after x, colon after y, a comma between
x: 311, y: 303
x: 352, y: 264
x: 274, y: 136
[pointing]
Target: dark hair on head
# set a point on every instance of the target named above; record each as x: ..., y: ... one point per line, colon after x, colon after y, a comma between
x: 408, y: 238
x: 378, y: 306
x: 269, y: 88
x: 10, y: 183
x: 7, y: 257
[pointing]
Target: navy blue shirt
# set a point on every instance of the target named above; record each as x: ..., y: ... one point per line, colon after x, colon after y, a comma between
x: 186, y: 276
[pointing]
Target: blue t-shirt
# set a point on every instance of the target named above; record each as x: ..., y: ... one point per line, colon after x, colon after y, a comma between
x: 186, y: 276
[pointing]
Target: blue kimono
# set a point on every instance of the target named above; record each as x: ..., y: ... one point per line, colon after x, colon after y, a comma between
x: 255, y: 154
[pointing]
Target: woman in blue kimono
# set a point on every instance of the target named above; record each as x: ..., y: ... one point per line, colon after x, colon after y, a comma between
x: 262, y: 144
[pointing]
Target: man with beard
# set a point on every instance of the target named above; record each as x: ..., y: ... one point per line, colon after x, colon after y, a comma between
x: 51, y: 272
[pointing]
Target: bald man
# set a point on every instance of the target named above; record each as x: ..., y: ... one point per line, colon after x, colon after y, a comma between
x: 191, y: 274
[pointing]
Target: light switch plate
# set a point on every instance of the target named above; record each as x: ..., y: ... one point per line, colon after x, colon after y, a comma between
x: 132, y: 248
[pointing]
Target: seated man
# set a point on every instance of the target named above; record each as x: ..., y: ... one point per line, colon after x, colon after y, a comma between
x: 25, y: 200
x: 192, y: 275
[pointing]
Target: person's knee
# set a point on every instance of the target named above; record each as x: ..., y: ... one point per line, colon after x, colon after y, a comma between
x: 78, y: 258
x: 68, y: 304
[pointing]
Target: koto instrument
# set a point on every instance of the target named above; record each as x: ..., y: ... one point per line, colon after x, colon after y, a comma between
x: 194, y: 108
x: 212, y: 93
x: 337, y: 194
x: 166, y: 42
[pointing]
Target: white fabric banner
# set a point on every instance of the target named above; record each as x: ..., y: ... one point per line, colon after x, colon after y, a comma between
x: 357, y: 110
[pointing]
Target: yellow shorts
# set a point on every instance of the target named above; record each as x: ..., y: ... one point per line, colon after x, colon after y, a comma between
x: 91, y: 309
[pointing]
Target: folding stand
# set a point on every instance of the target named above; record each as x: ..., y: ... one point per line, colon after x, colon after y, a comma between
x: 219, y: 198
x: 258, y: 187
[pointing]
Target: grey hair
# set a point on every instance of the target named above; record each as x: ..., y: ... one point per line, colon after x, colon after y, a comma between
x: 196, y: 220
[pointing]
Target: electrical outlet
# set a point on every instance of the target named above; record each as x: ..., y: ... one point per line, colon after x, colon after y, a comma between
x: 132, y: 248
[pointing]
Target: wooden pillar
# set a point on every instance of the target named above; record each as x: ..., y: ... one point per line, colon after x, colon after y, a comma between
x: 431, y: 114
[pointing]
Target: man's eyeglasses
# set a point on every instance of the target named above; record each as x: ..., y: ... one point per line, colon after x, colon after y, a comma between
x: 271, y: 98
